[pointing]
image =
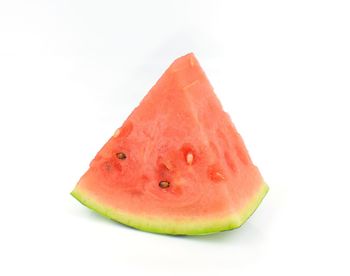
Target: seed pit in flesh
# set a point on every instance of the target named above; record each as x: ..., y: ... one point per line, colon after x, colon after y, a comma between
x: 220, y: 175
x: 215, y: 173
x: 121, y: 155
x: 164, y: 184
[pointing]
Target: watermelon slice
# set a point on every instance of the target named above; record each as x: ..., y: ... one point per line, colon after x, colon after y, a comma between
x: 177, y: 165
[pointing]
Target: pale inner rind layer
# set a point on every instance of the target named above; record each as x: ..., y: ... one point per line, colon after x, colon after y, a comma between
x: 190, y: 226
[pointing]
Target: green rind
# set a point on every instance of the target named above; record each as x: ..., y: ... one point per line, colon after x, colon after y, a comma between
x: 174, y: 227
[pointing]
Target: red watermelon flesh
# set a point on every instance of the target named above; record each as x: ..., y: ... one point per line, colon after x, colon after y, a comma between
x: 177, y: 165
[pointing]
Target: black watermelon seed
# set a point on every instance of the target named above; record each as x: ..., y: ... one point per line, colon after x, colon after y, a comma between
x: 164, y: 184
x: 121, y: 155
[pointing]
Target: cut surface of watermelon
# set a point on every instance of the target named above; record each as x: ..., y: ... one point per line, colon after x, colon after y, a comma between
x: 177, y: 165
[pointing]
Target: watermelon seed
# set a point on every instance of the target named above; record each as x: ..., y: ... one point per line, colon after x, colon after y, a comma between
x: 189, y: 158
x: 116, y: 133
x: 121, y: 155
x: 164, y: 184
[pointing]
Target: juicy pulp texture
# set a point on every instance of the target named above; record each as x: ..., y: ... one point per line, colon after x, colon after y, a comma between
x: 180, y: 135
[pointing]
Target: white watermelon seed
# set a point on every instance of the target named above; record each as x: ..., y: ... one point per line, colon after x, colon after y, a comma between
x: 189, y: 158
x: 116, y: 133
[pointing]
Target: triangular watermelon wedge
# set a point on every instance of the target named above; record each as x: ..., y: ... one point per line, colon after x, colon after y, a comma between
x: 177, y: 165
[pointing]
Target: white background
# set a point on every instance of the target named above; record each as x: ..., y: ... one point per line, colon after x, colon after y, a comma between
x: 70, y: 73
